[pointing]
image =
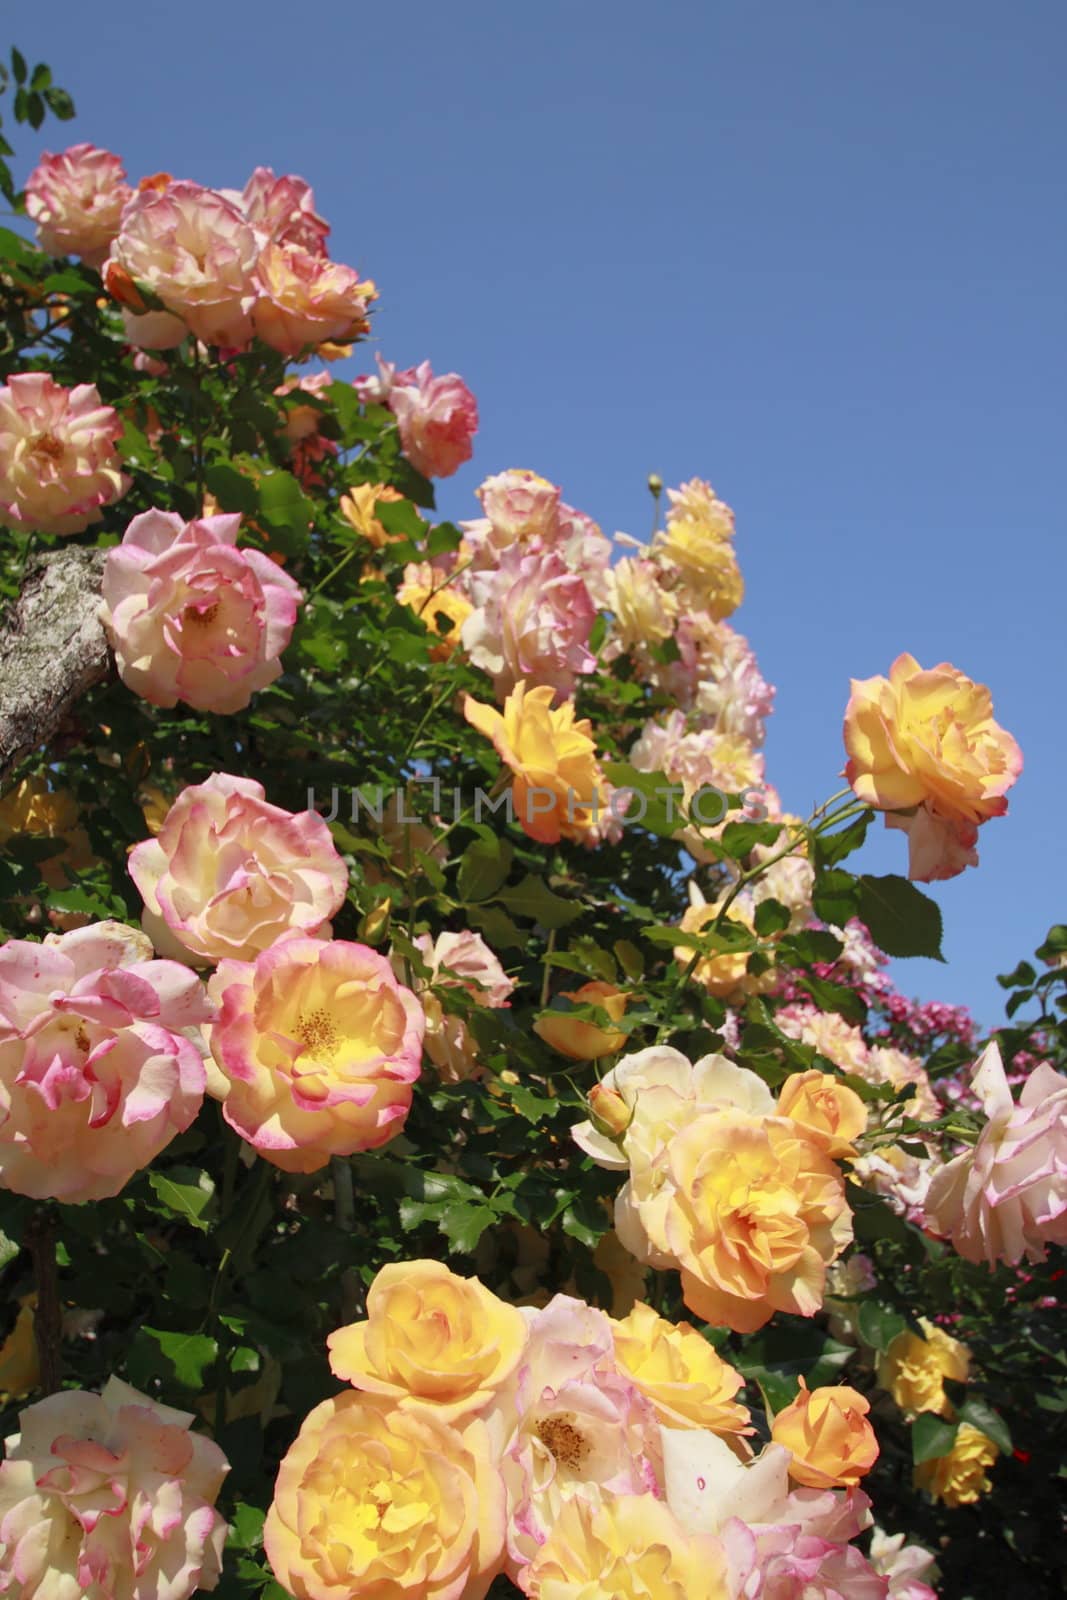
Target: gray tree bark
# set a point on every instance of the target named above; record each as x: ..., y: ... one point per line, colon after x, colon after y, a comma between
x: 52, y: 650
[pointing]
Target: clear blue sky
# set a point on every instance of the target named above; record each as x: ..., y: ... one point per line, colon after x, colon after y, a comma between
x: 815, y: 253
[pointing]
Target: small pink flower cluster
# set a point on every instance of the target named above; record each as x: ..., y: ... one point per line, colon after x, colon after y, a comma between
x: 222, y: 265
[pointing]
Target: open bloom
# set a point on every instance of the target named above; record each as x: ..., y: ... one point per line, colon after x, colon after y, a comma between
x: 532, y: 621
x: 58, y: 462
x: 282, y: 210
x: 827, y: 1434
x: 110, y: 1496
x: 830, y: 1113
x: 695, y: 550
x: 191, y: 617
x: 437, y: 417
x: 962, y: 1476
x: 432, y: 1341
x: 558, y: 787
x: 928, y: 740
x: 520, y: 506
x: 683, y: 1377
x: 193, y: 250
x: 317, y: 1047
x: 375, y: 1500
x: 914, y: 1369
x: 227, y: 873
x: 96, y: 1073
x: 75, y: 199
x: 1007, y: 1197
x: 629, y: 1547
x: 305, y: 299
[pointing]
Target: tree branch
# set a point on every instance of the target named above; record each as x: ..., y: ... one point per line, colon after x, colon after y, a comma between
x: 52, y: 650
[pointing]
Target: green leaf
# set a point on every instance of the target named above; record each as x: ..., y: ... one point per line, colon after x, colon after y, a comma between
x: 182, y: 1198
x: 532, y: 898
x: 286, y: 510
x: 483, y: 867
x: 987, y: 1421
x: 1055, y: 943
x: 658, y: 806
x: 41, y: 78
x: 400, y: 516
x: 836, y: 897
x: 770, y: 915
x: 931, y: 1437
x: 902, y: 921
x: 246, y: 1528
x: 18, y: 65
x: 835, y: 997
x: 830, y: 848
x: 878, y: 1325
x: 233, y: 490
x: 60, y: 104
x: 497, y: 926
x: 8, y: 1249
x: 183, y: 1356
x: 464, y: 1224
x: 740, y: 838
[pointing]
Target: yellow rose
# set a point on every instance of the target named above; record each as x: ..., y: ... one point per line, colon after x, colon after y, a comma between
x: 584, y: 1041
x: 687, y: 1382
x: 359, y: 506
x: 372, y: 1499
x: 830, y: 1113
x: 443, y: 609
x: 558, y: 785
x: 628, y: 1547
x: 928, y: 739
x: 31, y: 807
x: 20, y: 1369
x: 432, y: 1341
x: 913, y: 1369
x: 697, y: 545
x: 753, y: 1212
x: 645, y: 612
x: 960, y: 1478
x: 827, y: 1433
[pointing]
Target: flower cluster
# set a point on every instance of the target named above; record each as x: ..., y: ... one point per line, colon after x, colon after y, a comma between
x: 562, y: 1447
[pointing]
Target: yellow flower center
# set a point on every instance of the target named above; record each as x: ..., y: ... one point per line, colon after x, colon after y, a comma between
x: 565, y: 1442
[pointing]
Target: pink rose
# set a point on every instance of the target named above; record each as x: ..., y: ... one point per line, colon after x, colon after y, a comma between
x: 317, y: 1047
x: 936, y: 849
x: 194, y: 250
x: 437, y: 419
x: 228, y: 873
x: 76, y: 200
x: 533, y: 621
x: 282, y: 210
x: 96, y: 1073
x: 519, y: 505
x: 112, y: 1496
x: 192, y: 618
x: 58, y: 462
x: 304, y: 299
x: 1007, y: 1197
x: 457, y: 961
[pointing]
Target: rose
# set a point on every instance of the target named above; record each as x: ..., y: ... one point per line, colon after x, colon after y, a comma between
x: 961, y: 1476
x: 442, y: 607
x: 904, y: 1565
x: 109, y: 1495
x: 645, y: 612
x: 359, y: 508
x: 532, y: 621
x: 585, y: 1041
x: 317, y: 1047
x: 751, y: 1211
x: 553, y: 758
x: 927, y: 739
x: 629, y: 1547
x: 830, y: 1113
x: 571, y: 1423
x: 76, y: 200
x: 192, y: 618
x: 196, y: 253
x: 432, y: 1341
x: 58, y: 462
x: 462, y: 961
x: 686, y: 1381
x: 1007, y: 1197
x: 695, y: 550
x: 96, y: 1073
x: 437, y: 419
x: 828, y: 1436
x: 305, y: 299
x: 519, y: 505
x: 282, y: 210
x: 227, y: 874
x: 372, y: 1499
x: 913, y: 1369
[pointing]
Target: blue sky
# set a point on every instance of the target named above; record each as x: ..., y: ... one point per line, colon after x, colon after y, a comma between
x: 814, y: 253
